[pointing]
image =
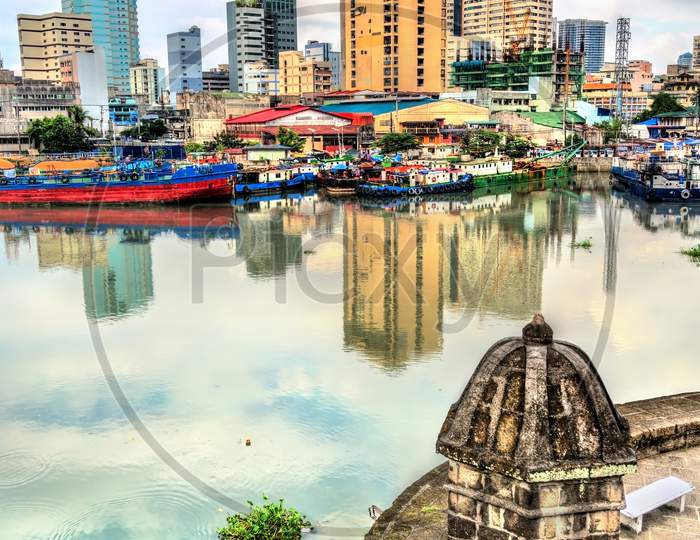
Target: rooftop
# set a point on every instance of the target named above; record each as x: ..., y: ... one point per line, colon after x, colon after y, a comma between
x: 376, y: 107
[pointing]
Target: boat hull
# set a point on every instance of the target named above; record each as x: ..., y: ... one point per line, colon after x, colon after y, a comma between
x: 388, y: 191
x: 139, y: 192
x: 524, y: 176
x: 300, y: 182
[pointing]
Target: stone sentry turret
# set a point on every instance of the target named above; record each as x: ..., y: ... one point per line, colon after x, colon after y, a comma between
x: 536, y: 447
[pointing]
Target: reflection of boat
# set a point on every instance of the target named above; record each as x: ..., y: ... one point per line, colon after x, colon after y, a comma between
x: 158, y: 185
x: 196, y: 222
x: 653, y: 216
x: 271, y: 197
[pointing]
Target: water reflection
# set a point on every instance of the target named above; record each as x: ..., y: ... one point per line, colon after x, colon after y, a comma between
x: 321, y: 388
x: 656, y: 217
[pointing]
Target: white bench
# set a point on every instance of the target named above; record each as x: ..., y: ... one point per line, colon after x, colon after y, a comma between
x: 654, y: 496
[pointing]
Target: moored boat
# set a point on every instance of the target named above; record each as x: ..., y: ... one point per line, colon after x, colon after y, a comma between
x: 158, y: 185
x: 658, y: 179
x: 266, y: 180
x: 414, y: 180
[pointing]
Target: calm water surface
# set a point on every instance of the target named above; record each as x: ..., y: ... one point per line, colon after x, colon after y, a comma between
x: 333, y: 335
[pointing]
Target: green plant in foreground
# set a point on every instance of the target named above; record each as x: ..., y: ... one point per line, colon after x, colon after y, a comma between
x: 586, y: 244
x: 692, y: 253
x: 271, y: 521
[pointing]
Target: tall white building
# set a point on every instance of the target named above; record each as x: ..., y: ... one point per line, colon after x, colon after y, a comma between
x: 87, y: 69
x: 148, y: 80
x: 185, y: 61
x: 246, y: 34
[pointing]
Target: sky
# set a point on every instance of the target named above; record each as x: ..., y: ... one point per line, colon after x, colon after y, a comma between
x: 661, y: 30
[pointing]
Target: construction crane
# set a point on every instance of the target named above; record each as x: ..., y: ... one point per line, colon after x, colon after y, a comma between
x: 520, y: 41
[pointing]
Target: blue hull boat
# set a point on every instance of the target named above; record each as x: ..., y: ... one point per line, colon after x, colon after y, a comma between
x: 248, y: 188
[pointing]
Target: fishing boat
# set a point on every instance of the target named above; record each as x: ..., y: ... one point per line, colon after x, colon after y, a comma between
x: 267, y: 180
x: 657, y: 179
x: 118, y: 185
x: 340, y: 180
x: 415, y: 180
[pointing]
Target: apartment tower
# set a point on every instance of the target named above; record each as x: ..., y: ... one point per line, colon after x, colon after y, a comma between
x: 583, y: 35
x: 394, y: 46
x: 185, y: 61
x: 116, y: 29
x: 44, y: 39
x: 696, y: 53
x: 528, y: 22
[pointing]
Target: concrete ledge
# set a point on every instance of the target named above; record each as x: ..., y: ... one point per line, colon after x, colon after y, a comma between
x: 663, y: 424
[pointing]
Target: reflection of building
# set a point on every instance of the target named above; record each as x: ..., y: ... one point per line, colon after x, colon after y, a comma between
x: 58, y: 249
x: 402, y: 270
x: 125, y: 283
x: 266, y: 246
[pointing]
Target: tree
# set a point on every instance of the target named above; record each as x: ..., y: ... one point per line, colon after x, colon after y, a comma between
x: 663, y: 103
x: 517, y: 147
x: 573, y: 140
x: 481, y: 143
x: 149, y: 130
x: 287, y: 137
x: 77, y: 115
x: 59, y: 135
x: 611, y: 130
x: 194, y: 148
x: 222, y: 141
x: 393, y: 143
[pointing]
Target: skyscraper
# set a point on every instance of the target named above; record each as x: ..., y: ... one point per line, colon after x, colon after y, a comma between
x: 685, y: 60
x: 528, y: 22
x: 394, y: 47
x: 116, y: 29
x: 185, y: 61
x: 259, y: 30
x: 586, y: 35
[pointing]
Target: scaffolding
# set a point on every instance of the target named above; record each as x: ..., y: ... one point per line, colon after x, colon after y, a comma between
x: 622, y: 55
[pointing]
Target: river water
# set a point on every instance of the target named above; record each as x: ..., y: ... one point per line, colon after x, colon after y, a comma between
x: 160, y: 366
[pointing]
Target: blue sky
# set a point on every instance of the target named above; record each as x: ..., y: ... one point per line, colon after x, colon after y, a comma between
x: 661, y: 30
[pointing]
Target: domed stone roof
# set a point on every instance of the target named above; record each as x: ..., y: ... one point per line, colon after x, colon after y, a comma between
x: 536, y: 410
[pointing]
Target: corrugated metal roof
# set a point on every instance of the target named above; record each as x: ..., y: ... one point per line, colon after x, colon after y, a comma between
x: 553, y: 119
x: 376, y: 108
x: 267, y: 115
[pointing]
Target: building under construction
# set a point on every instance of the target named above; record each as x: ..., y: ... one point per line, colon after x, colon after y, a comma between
x: 556, y: 74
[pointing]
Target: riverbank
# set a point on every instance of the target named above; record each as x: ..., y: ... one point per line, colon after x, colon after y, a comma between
x: 665, y: 433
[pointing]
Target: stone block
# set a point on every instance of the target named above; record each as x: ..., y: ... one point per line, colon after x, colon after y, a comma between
x: 464, y: 505
x: 460, y: 528
x: 485, y: 533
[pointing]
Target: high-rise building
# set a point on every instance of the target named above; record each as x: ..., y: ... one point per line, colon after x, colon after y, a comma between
x: 185, y: 61
x: 587, y: 36
x: 696, y: 53
x: 246, y: 32
x: 322, y: 52
x: 259, y: 30
x: 86, y: 70
x: 148, y: 79
x: 299, y: 75
x: 528, y: 22
x: 685, y: 60
x: 44, y: 39
x: 116, y: 30
x: 394, y: 47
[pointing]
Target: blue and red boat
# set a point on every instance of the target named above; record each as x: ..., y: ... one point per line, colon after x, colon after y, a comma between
x: 160, y: 184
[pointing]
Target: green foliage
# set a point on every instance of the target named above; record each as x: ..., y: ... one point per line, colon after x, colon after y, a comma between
x: 77, y: 115
x: 287, y: 137
x: 587, y: 244
x: 223, y: 141
x: 611, y: 130
x: 693, y: 254
x: 272, y: 521
x: 663, y: 103
x: 517, y: 147
x: 194, y: 148
x: 393, y: 143
x: 481, y: 143
x: 574, y: 140
x: 148, y: 131
x: 59, y: 135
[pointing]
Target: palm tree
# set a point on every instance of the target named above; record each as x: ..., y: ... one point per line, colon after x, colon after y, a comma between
x: 77, y: 115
